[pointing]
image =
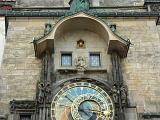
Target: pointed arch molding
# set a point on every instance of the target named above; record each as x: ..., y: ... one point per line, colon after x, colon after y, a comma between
x: 114, y: 42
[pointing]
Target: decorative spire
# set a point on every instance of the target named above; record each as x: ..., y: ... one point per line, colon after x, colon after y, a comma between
x: 79, y: 5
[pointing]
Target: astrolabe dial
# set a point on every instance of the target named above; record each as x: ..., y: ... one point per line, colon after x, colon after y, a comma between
x: 82, y: 101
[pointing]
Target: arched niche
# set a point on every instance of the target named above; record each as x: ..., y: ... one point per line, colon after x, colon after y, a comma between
x: 82, y: 21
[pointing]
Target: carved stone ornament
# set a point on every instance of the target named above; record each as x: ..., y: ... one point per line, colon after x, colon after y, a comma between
x: 44, y: 91
x: 124, y: 95
x: 22, y: 104
x: 122, y: 92
x: 114, y: 92
x: 155, y: 7
x: 80, y: 63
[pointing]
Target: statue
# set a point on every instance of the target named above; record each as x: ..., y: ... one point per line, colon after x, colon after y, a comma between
x: 44, y: 91
x: 79, y: 5
x: 124, y: 94
x: 115, y: 93
x: 41, y: 92
x: 80, y: 64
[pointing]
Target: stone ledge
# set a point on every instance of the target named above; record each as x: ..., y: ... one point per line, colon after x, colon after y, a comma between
x: 149, y: 115
x: 56, y: 13
x: 3, y: 117
x: 75, y: 71
x: 5, y: 2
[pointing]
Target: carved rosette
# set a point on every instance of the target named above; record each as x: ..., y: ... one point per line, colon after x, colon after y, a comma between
x: 81, y: 64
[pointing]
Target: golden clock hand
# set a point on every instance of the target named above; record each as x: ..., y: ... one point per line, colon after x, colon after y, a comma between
x: 92, y: 110
x: 106, y: 113
x: 64, y: 106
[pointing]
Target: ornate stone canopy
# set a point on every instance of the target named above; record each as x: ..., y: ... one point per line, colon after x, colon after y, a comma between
x: 83, y: 21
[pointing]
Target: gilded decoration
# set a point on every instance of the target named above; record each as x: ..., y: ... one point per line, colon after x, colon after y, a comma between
x: 80, y: 44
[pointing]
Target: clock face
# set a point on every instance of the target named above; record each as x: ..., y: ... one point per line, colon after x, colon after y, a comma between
x: 82, y: 101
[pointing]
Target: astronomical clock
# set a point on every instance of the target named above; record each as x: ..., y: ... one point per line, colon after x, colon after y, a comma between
x: 82, y: 101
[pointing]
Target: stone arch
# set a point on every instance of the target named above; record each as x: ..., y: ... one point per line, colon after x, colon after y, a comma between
x: 83, y: 21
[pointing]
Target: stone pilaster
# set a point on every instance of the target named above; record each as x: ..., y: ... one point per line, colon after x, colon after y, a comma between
x: 2, y: 37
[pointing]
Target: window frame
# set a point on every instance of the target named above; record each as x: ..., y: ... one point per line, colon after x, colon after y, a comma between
x: 61, y: 55
x: 100, y: 60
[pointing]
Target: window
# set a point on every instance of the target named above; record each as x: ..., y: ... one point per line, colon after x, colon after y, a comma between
x: 25, y: 117
x: 95, y: 59
x: 66, y: 59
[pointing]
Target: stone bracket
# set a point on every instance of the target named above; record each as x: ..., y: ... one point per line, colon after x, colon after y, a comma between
x: 149, y: 115
x: 120, y: 47
x: 41, y: 47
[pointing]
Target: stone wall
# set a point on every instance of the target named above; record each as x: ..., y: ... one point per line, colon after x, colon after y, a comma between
x: 141, y: 67
x: 20, y: 69
x: 58, y: 3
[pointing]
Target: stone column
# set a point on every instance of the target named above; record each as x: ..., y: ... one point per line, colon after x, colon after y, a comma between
x: 40, y: 113
x: 2, y: 37
x: 44, y: 87
x: 118, y: 81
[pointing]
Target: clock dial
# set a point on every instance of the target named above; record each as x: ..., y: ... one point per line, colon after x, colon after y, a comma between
x: 82, y: 101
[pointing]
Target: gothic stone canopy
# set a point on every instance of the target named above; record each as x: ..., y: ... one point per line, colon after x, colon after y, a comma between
x: 115, y: 42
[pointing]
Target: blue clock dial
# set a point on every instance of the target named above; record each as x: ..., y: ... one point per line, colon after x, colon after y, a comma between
x: 82, y: 101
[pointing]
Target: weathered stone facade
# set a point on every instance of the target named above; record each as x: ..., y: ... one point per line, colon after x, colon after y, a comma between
x: 142, y: 75
x: 21, y: 72
x: 60, y: 3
